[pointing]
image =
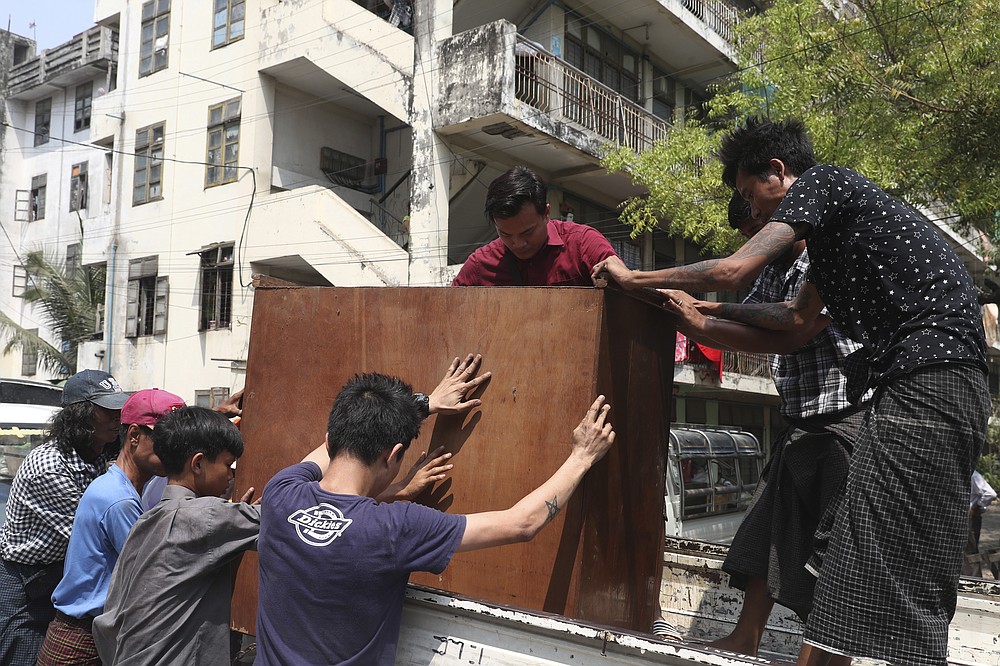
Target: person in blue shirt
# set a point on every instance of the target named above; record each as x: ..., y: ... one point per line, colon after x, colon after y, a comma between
x: 108, y: 509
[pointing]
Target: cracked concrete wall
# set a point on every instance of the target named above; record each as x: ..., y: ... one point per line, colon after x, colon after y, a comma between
x: 429, y: 186
x: 476, y: 71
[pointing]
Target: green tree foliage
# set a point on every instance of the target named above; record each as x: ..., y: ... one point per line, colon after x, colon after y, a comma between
x: 67, y: 300
x: 905, y: 91
x: 684, y: 184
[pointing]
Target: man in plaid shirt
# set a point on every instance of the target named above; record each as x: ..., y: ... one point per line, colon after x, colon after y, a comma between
x: 43, y: 499
x: 809, y: 460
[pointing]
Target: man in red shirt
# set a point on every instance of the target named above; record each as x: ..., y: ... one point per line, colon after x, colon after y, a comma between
x: 531, y: 250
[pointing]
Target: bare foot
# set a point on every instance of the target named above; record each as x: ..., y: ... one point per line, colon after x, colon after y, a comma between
x: 737, y: 644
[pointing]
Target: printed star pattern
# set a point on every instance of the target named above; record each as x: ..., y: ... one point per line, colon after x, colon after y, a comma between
x: 885, y: 273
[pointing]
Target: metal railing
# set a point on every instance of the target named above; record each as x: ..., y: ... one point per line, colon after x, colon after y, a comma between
x: 720, y: 16
x: 555, y: 87
x: 756, y: 365
x: 393, y: 227
x: 97, y: 44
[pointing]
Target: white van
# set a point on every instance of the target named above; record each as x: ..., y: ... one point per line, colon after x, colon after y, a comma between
x: 22, y: 427
x: 26, y: 408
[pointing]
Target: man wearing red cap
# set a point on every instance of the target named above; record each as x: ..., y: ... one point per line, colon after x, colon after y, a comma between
x: 107, y: 511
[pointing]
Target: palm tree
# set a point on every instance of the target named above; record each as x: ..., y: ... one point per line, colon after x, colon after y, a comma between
x: 67, y: 298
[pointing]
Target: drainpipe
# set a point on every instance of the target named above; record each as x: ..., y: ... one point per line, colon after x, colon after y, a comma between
x: 117, y: 192
x: 110, y: 308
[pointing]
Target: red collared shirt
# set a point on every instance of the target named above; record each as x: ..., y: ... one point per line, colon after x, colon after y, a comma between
x: 564, y: 261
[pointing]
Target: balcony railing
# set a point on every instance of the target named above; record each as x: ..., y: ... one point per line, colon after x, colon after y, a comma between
x: 555, y: 87
x: 720, y: 16
x: 391, y: 212
x: 90, y: 47
x: 743, y: 363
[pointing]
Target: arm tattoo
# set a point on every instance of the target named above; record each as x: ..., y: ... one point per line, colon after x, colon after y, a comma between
x: 699, y: 276
x: 714, y: 275
x: 774, y: 316
x: 553, y: 508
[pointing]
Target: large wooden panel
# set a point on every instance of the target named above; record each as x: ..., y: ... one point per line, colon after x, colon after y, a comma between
x: 551, y: 351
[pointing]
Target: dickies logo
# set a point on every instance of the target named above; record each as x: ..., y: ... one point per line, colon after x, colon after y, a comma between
x: 320, y: 524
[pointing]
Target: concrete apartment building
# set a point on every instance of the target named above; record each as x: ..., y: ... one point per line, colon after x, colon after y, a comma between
x: 191, y: 145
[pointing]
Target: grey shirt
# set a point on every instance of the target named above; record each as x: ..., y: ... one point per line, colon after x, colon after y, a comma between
x: 170, y: 593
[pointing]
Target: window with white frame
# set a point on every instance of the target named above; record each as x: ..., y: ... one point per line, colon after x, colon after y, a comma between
x: 73, y: 258
x: 20, y: 281
x: 228, y: 22
x: 664, y: 94
x: 210, y: 398
x: 108, y: 177
x: 223, y: 152
x: 78, y: 187
x: 38, y: 190
x: 43, y: 120
x: 154, y: 36
x: 99, y: 273
x: 146, y: 304
x: 22, y: 205
x: 601, y: 55
x: 29, y: 356
x: 147, y: 181
x: 216, y: 287
x: 81, y: 107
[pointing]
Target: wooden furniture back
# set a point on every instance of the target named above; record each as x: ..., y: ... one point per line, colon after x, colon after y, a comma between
x: 551, y: 351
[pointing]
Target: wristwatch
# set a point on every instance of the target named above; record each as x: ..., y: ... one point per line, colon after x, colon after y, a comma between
x: 423, y: 404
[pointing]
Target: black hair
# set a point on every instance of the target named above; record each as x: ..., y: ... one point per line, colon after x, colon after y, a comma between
x: 372, y: 413
x: 739, y: 211
x: 189, y: 430
x: 752, y: 147
x: 508, y: 193
x: 72, y: 427
x: 123, y: 430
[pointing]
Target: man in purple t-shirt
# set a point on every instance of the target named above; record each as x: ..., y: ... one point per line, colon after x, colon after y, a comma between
x: 531, y: 250
x: 334, y: 562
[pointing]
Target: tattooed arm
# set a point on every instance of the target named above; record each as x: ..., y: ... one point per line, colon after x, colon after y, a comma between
x: 726, y: 334
x: 733, y: 272
x: 591, y: 440
x: 800, y: 313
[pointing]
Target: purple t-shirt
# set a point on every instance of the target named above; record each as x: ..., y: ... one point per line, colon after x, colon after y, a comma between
x: 333, y: 570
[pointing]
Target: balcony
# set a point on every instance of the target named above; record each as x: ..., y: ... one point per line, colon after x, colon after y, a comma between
x: 742, y: 363
x: 566, y: 94
x: 500, y: 92
x: 720, y: 16
x: 75, y: 61
x: 742, y: 372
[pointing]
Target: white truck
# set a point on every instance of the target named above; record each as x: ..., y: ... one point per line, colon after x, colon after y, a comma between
x: 711, y: 475
x: 445, y: 629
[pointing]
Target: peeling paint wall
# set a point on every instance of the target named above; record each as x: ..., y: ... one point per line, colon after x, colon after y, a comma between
x: 476, y: 70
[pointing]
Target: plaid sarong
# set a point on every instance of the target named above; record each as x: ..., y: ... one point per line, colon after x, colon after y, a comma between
x: 775, y: 539
x: 69, y: 642
x: 25, y: 608
x: 887, y: 586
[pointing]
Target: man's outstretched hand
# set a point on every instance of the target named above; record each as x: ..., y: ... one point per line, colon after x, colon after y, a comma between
x: 425, y: 472
x: 452, y: 395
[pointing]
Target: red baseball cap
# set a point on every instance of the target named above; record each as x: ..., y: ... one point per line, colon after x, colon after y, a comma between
x: 148, y: 406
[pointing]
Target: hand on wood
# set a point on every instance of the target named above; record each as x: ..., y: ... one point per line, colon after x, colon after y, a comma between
x: 452, y: 395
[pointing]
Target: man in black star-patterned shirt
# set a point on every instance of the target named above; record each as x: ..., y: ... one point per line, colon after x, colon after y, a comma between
x: 887, y: 583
